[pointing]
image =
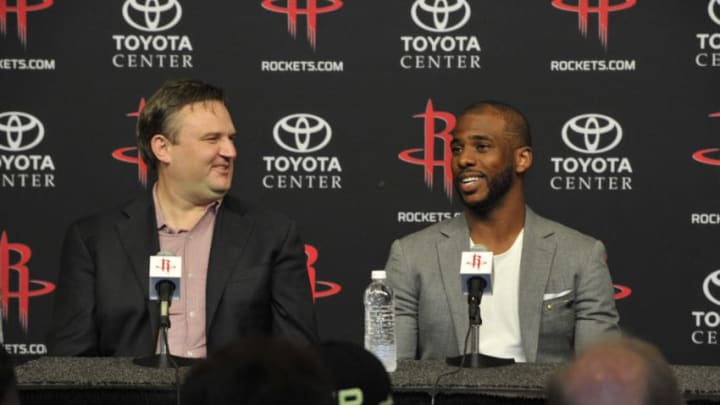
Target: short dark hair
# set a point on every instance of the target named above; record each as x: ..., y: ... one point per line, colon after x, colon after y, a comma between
x: 158, y: 113
x: 259, y: 370
x: 352, y: 368
x: 515, y: 121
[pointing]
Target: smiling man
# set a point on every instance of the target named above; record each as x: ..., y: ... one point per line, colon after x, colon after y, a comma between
x: 243, y: 267
x: 552, y: 291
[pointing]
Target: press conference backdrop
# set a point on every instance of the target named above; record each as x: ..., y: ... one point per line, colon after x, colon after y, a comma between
x: 344, y: 109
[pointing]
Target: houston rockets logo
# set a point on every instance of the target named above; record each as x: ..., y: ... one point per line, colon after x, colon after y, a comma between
x: 603, y: 8
x: 329, y: 288
x: 17, y: 265
x: 165, y: 266
x: 621, y: 291
x: 431, y: 134
x: 21, y: 9
x: 476, y: 261
x: 311, y: 11
x: 709, y: 156
x: 131, y: 154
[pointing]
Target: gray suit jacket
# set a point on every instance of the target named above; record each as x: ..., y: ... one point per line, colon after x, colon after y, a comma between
x: 432, y: 313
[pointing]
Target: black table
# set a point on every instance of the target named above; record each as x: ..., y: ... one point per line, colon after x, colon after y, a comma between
x: 57, y: 380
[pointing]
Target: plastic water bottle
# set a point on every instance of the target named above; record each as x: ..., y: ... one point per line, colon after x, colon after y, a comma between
x: 380, y: 320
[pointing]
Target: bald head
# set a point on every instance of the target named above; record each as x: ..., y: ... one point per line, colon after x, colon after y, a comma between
x: 516, y: 125
x: 617, y: 371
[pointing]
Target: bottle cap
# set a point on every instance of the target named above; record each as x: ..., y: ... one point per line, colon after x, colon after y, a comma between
x: 378, y: 275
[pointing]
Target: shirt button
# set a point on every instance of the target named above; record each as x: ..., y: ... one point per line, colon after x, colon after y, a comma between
x: 189, y: 353
x: 192, y: 314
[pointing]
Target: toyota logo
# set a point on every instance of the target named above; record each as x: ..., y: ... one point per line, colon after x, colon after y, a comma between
x: 302, y: 133
x: 22, y: 131
x: 712, y: 10
x: 443, y: 12
x: 714, y: 280
x: 592, y: 133
x: 152, y: 15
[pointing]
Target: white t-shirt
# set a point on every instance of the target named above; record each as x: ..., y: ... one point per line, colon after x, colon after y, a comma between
x: 500, y: 330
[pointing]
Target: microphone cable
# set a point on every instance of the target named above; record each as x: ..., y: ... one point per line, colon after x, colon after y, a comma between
x: 173, y: 364
x: 435, y: 389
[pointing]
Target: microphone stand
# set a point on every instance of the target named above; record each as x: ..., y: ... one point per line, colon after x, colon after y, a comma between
x: 163, y: 359
x: 475, y: 359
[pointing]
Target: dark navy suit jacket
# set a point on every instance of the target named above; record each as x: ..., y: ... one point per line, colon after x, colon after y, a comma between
x: 257, y: 282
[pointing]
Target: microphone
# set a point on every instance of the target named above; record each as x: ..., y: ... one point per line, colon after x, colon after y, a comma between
x: 165, y: 289
x: 478, y: 262
x: 475, y: 287
x: 165, y: 276
x: 476, y: 278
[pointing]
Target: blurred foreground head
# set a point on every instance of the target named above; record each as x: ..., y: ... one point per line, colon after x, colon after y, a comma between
x: 271, y: 370
x: 261, y: 370
x: 8, y: 383
x: 616, y: 371
x: 357, y: 376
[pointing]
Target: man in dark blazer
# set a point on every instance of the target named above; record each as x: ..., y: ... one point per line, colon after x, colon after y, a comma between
x: 552, y: 291
x: 244, y: 268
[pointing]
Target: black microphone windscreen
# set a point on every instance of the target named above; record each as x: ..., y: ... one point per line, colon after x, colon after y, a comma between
x: 476, y: 285
x: 165, y: 289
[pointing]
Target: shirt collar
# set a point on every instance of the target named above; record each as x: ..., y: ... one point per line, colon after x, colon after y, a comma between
x: 160, y: 217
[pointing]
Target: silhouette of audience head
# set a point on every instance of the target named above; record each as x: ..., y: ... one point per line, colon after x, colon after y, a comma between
x: 260, y: 370
x: 616, y: 371
x: 357, y: 376
x: 8, y: 383
x: 271, y: 370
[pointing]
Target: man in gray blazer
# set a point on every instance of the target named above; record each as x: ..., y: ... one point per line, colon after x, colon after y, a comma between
x: 552, y: 291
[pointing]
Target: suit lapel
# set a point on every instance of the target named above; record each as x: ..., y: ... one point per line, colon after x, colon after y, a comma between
x: 537, y: 257
x: 454, y: 238
x: 139, y: 238
x: 230, y: 236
